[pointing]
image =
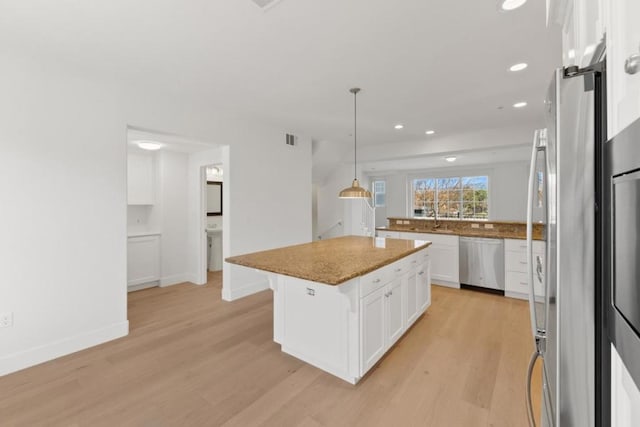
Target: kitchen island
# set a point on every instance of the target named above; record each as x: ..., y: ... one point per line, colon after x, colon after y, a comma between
x: 340, y: 304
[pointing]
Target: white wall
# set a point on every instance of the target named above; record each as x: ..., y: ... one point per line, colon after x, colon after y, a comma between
x: 507, y: 189
x: 64, y: 272
x: 173, y: 206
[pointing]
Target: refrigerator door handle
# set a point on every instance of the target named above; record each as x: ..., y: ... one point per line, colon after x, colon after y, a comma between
x: 538, y: 334
x: 532, y: 362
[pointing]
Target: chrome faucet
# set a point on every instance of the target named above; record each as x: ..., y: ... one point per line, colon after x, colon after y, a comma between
x: 435, y: 217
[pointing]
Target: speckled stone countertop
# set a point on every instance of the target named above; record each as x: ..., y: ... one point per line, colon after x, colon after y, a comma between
x: 495, y: 234
x: 331, y: 261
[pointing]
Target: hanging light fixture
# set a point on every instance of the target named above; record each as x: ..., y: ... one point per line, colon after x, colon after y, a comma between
x: 355, y: 191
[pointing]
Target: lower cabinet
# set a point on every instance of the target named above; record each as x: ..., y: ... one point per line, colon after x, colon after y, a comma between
x: 143, y: 261
x: 515, y: 265
x: 346, y: 329
x: 445, y: 253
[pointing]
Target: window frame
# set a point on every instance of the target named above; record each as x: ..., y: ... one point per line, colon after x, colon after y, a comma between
x: 462, y: 173
x: 373, y: 192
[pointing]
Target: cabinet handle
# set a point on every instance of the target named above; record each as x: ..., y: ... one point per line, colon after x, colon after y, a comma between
x: 632, y: 64
x: 390, y: 293
x: 398, y: 270
x: 523, y: 262
x: 311, y: 292
x: 386, y: 295
x: 421, y: 273
x: 524, y: 283
x: 376, y: 281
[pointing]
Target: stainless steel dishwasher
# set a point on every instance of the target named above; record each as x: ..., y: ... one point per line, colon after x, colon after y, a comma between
x: 482, y: 262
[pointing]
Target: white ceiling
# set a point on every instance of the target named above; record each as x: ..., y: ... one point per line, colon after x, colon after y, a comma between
x: 169, y: 142
x: 438, y: 64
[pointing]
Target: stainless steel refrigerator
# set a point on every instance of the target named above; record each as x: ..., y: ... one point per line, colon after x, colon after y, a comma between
x: 562, y: 186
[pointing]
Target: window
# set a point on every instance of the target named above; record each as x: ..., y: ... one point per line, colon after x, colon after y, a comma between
x: 379, y: 193
x: 452, y: 197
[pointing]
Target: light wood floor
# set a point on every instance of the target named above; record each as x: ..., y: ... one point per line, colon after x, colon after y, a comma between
x: 194, y: 360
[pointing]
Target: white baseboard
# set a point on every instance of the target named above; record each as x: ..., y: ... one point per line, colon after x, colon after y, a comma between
x: 34, y: 356
x: 445, y: 284
x: 174, y: 279
x: 516, y: 295
x: 251, y: 288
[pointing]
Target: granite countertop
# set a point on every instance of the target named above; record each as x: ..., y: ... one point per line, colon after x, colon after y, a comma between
x: 486, y: 233
x: 331, y: 261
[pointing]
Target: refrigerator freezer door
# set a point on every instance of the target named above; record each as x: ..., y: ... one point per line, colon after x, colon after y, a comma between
x: 570, y: 352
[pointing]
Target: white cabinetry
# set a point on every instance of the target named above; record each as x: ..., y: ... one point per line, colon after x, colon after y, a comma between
x: 388, y: 234
x: 346, y: 329
x: 445, y: 257
x: 625, y: 396
x: 623, y: 48
x: 515, y: 266
x: 140, y: 179
x: 143, y: 261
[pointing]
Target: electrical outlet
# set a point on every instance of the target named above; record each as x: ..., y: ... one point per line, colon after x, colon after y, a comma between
x: 6, y: 320
x: 488, y: 226
x: 475, y: 225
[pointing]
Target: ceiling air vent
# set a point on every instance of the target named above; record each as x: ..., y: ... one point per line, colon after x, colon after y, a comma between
x: 291, y: 139
x: 265, y: 4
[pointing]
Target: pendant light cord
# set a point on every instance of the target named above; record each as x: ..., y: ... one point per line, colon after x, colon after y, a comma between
x: 355, y: 135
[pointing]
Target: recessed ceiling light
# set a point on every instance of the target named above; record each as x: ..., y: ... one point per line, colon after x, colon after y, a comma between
x: 572, y: 53
x: 149, y: 145
x: 430, y: 132
x: 518, y: 67
x: 511, y: 4
x: 450, y: 159
x: 520, y: 104
x: 399, y: 126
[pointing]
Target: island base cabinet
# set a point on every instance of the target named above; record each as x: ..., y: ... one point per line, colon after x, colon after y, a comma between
x: 320, y: 327
x: 346, y: 329
x: 374, y: 340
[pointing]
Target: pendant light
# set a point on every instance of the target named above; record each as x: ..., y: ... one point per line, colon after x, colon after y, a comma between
x: 355, y: 191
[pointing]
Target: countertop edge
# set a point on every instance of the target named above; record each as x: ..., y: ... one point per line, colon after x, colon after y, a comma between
x: 488, y: 235
x: 343, y: 279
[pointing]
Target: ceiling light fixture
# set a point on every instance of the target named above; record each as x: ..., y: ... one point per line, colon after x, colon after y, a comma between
x: 399, y: 126
x: 518, y: 67
x: 520, y: 104
x: 450, y: 159
x: 511, y: 4
x: 355, y: 191
x: 430, y: 132
x: 149, y: 145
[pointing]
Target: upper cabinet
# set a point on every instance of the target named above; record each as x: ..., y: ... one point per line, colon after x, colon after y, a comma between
x: 583, y: 25
x: 623, y: 63
x: 140, y: 179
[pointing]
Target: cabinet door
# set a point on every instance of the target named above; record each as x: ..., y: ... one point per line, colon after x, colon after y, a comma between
x: 625, y: 395
x: 444, y: 263
x: 623, y: 48
x: 411, y: 287
x: 373, y: 308
x: 140, y: 179
x: 423, y: 282
x: 395, y: 316
x: 143, y: 260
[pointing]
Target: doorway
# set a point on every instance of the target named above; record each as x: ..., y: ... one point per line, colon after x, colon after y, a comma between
x: 214, y: 216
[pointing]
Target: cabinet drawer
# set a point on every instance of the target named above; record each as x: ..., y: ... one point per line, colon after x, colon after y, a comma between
x: 515, y: 261
x: 376, y: 279
x: 515, y: 245
x: 388, y: 234
x: 516, y: 282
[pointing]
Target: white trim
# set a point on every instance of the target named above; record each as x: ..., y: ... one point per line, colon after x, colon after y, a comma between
x: 446, y: 284
x: 250, y: 289
x: 40, y: 354
x: 139, y: 287
x: 174, y: 279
